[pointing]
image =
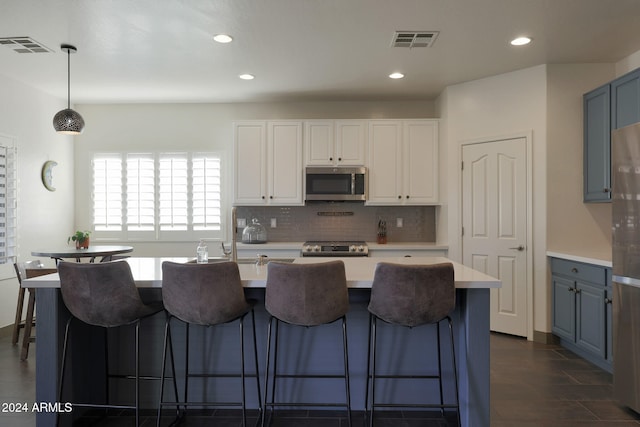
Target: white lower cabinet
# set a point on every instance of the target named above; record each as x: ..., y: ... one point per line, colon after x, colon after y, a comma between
x: 403, y: 162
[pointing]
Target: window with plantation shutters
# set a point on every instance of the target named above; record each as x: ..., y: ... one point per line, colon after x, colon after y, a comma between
x: 8, y: 202
x: 157, y: 196
x: 107, y: 192
x: 140, y: 192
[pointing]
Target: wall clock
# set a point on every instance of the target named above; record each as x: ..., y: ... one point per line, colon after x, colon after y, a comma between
x: 47, y: 175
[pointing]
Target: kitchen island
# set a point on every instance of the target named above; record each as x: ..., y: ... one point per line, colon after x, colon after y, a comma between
x: 321, y: 355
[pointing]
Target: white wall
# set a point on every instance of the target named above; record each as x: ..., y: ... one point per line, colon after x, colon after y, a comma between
x: 45, y: 218
x: 507, y: 104
x: 198, y: 127
x: 572, y: 226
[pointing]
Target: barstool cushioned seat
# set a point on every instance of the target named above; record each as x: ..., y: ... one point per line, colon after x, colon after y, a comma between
x: 203, y: 294
x: 103, y: 294
x: 307, y: 294
x: 412, y: 295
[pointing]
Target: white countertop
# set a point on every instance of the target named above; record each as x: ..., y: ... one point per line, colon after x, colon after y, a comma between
x: 148, y: 272
x: 600, y: 258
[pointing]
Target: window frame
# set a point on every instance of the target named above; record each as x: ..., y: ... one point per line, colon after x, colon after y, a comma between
x: 157, y: 234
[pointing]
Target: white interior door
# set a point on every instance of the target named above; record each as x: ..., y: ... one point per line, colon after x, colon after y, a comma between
x: 494, y: 220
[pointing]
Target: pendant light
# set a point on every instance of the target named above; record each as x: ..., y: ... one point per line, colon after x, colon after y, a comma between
x: 68, y: 121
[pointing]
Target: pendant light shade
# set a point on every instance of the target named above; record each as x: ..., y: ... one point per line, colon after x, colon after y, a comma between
x: 68, y: 121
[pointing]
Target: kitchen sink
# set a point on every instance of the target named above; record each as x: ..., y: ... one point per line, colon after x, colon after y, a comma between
x: 254, y: 260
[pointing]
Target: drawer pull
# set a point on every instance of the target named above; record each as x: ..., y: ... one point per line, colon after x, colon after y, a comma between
x: 574, y: 270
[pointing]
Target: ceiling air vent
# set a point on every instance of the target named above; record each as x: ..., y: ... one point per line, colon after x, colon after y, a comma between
x: 412, y: 39
x: 23, y: 45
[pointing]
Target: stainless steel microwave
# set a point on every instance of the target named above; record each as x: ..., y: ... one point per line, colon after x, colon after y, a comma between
x: 336, y: 183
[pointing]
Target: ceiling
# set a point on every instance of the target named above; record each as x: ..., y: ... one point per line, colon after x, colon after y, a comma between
x: 299, y: 50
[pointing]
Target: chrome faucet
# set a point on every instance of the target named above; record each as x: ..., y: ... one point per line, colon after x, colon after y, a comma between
x: 234, y: 235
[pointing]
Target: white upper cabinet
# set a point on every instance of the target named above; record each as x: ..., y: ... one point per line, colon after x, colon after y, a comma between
x: 403, y: 162
x: 335, y: 143
x: 268, y: 163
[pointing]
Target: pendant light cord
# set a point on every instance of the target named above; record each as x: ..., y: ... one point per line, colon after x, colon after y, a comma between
x: 68, y: 79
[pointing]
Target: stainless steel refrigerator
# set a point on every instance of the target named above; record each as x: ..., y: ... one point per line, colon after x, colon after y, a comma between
x: 625, y: 172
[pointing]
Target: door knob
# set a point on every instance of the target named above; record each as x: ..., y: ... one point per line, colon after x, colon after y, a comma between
x: 519, y: 248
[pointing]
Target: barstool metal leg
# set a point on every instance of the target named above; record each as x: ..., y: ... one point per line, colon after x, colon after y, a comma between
x: 167, y: 344
x: 373, y: 370
x: 186, y: 368
x: 138, y: 373
x: 440, y: 369
x: 455, y: 368
x: 244, y: 403
x: 346, y: 368
x: 266, y: 373
x: 62, y: 368
x: 255, y: 359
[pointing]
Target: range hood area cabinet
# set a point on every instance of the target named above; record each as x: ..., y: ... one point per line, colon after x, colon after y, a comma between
x: 335, y: 142
x: 403, y: 162
x: 268, y: 163
x: 608, y: 107
x: 401, y: 157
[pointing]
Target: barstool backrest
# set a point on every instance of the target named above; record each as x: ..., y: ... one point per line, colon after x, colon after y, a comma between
x: 307, y: 294
x: 203, y: 294
x: 101, y: 294
x: 412, y: 295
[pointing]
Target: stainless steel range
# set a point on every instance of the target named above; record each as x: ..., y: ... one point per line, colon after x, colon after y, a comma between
x: 335, y: 249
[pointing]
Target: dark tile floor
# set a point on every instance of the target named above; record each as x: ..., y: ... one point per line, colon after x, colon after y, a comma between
x: 531, y: 385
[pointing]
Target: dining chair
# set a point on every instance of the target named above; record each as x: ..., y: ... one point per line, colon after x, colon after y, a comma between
x: 26, y: 270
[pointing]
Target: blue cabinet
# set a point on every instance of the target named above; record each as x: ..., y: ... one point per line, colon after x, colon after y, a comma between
x: 597, y: 145
x: 625, y: 100
x: 581, y: 314
x: 611, y: 106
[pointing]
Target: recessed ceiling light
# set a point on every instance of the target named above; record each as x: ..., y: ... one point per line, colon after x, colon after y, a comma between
x: 247, y: 76
x: 396, y: 75
x: 222, y: 38
x: 520, y: 41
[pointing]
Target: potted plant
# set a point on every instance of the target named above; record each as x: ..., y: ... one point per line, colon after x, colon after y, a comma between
x: 81, y: 238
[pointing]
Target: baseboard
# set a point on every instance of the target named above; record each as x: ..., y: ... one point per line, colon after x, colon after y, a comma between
x: 6, y: 331
x: 545, y: 338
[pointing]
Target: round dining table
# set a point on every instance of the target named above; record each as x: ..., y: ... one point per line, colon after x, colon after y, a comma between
x: 106, y: 253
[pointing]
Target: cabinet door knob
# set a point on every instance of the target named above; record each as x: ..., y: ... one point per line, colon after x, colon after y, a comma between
x: 262, y: 197
x: 571, y: 289
x: 407, y: 196
x: 271, y: 197
x: 339, y: 159
x: 577, y: 291
x: 331, y: 159
x: 606, y: 190
x: 608, y: 300
x: 399, y: 197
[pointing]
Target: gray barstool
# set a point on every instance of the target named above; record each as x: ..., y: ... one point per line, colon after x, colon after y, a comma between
x: 305, y: 295
x: 411, y: 296
x: 105, y: 295
x: 207, y: 295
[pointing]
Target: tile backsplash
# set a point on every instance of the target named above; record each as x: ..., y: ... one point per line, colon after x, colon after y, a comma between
x: 342, y: 221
